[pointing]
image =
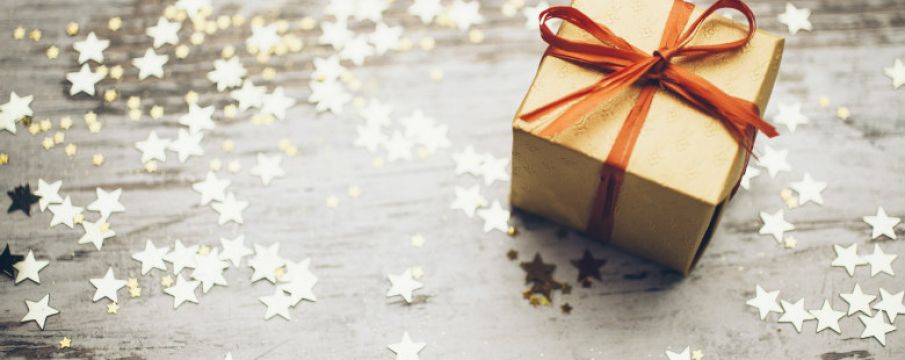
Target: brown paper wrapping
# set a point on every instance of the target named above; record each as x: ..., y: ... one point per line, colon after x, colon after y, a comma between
x: 684, y: 164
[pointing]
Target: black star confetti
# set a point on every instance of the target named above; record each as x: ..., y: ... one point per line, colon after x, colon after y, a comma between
x: 537, y: 270
x: 7, y: 260
x: 588, y: 267
x: 22, y: 198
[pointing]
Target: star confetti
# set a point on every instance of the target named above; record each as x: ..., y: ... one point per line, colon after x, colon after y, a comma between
x: 22, y: 199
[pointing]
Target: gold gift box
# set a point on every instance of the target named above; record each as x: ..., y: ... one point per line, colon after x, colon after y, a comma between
x: 684, y: 164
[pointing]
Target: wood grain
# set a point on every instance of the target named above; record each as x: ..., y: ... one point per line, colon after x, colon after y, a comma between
x: 471, y: 305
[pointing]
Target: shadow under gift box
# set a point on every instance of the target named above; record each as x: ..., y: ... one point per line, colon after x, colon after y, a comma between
x: 684, y: 164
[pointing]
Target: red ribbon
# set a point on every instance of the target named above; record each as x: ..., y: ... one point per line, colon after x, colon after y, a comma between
x: 628, y: 65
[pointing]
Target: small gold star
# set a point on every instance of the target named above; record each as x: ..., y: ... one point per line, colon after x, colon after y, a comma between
x: 197, y: 38
x: 204, y: 250
x: 116, y: 72
x: 476, y: 36
x: 418, y: 240
x: 789, y: 242
x: 70, y: 149
x: 166, y: 281
x: 824, y: 101
x: 228, y: 145
x: 191, y: 97
x: 53, y: 52
x: 789, y: 198
x: 135, y: 292
x: 332, y: 202
x: 94, y: 127
x: 97, y: 159
x: 46, y: 125
x: 697, y: 355
x: 65, y: 123
x: 132, y: 283
x: 182, y: 51
x: 279, y: 272
x: 72, y: 28
x: 65, y: 343
x: 4, y: 158
x: 843, y: 113
x: 78, y: 218
x: 35, y: 35
x: 291, y: 150
x: 134, y: 114
x: 223, y: 22
x: 427, y: 43
x: 170, y: 12
x: 58, y: 137
x: 90, y: 117
x: 151, y: 166
x: 417, y: 272
x: 307, y: 23
x: 512, y: 231
x: 112, y: 308
x: 102, y: 70
x: 47, y: 143
x: 268, y: 73
x: 19, y: 33
x: 230, y: 111
x: 234, y: 166
x: 215, y: 165
x: 238, y: 20
x: 354, y: 191
x: 134, y: 102
x: 34, y: 128
x: 115, y: 23
x: 110, y: 95
x: 156, y: 112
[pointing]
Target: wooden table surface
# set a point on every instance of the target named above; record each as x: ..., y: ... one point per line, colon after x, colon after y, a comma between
x: 471, y: 306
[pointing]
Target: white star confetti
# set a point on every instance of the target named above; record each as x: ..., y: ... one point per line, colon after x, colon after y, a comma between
x: 683, y: 355
x: 95, y: 233
x: 495, y: 218
x: 403, y: 285
x: 153, y: 148
x: 796, y: 19
x: 794, y: 313
x: 198, y: 118
x: 465, y: 14
x: 276, y: 103
x: 83, y: 81
x: 38, y: 311
x: 212, y: 188
x: 277, y: 304
x: 29, y: 267
x: 249, y: 96
x: 406, y: 349
x: 266, y: 262
x: 426, y: 10
x: 182, y: 291
x: 107, y: 286
x: 875, y: 327
x: 468, y: 200
x: 858, y: 301
x: 234, y: 250
x: 765, y: 302
x: 891, y: 304
x: 774, y: 161
x: 64, y: 213
x: 809, y: 190
x: 494, y: 169
x: 827, y: 317
x: 882, y: 224
x: 227, y: 73
x: 329, y: 95
x: 268, y: 168
x: 150, y: 64
x: 775, y: 225
x: 181, y: 256
x: 91, y: 48
x: 107, y: 203
x: 848, y: 258
x: 790, y: 116
x: 209, y: 270
x: 880, y: 261
x: 151, y: 257
x: 230, y: 209
x: 49, y: 193
x: 187, y: 144
x: 897, y: 73
x: 164, y: 32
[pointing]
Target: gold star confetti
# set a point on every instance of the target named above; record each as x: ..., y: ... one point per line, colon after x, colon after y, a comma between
x: 512, y: 231
x: 53, y: 52
x: 228, y: 146
x: 197, y: 38
x: 268, y: 73
x: 34, y: 129
x: 230, y: 111
x: 94, y: 127
x: 223, y: 22
x: 134, y: 102
x: 191, y: 97
x: 166, y: 281
x: 215, y: 165
x: 65, y: 122
x: 354, y: 191
x: 182, y: 51
x: 824, y: 101
x: 697, y: 355
x: 110, y: 95
x: 70, y: 149
x: 46, y: 125
x: 115, y: 23
x: 234, y: 166
x: 47, y: 143
x: 90, y: 117
x: 332, y: 202
x: 78, y: 218
x: 238, y: 20
x: 789, y: 198
x: 132, y: 282
x: 417, y: 272
x: 116, y: 72
x: 35, y: 35
x: 58, y: 137
x: 476, y: 36
x: 102, y: 70
x: 279, y: 272
x: 19, y: 33
x: 151, y: 166
x: 204, y: 250
x: 156, y: 112
x: 436, y: 74
x: 417, y: 240
x: 112, y: 308
x: 789, y: 242
x: 228, y: 52
x: 97, y: 159
x: 307, y: 23
x: 134, y: 114
x: 135, y: 292
x: 65, y: 343
x: 4, y: 158
x: 427, y: 43
x: 72, y: 28
x: 843, y: 113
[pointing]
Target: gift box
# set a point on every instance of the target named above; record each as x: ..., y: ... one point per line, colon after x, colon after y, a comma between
x: 684, y: 162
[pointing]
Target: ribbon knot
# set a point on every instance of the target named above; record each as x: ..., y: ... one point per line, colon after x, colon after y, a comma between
x: 626, y: 65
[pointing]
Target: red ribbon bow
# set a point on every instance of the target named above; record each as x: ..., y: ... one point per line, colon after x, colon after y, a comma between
x: 628, y: 65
